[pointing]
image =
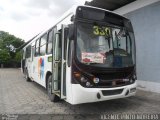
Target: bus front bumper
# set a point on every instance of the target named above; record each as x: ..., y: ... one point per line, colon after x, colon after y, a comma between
x: 85, y: 95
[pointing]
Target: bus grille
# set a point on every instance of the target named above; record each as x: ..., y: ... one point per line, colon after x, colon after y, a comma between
x: 111, y: 92
x: 113, y: 83
x: 113, y: 79
x: 111, y: 76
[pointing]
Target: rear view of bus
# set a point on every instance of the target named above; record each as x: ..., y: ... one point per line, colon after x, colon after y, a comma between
x: 103, y: 56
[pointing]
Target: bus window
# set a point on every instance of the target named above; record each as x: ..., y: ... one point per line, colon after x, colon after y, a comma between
x: 28, y: 51
x: 37, y: 48
x: 65, y: 42
x: 33, y: 51
x: 49, y: 43
x: 43, y: 44
x: 23, y: 53
x: 43, y: 39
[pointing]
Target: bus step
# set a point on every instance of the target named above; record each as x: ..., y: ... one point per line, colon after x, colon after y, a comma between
x: 57, y: 93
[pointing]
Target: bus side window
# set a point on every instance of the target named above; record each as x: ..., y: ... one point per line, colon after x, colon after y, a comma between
x: 43, y: 41
x: 65, y: 42
x: 33, y: 51
x: 37, y: 48
x: 23, y: 53
x: 49, y: 42
x: 28, y: 52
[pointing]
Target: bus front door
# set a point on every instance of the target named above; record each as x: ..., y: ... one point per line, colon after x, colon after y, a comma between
x: 59, y: 62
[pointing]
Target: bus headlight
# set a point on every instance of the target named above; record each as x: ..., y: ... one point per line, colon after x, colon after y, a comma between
x: 96, y: 80
x: 88, y: 84
x: 83, y: 79
x: 131, y: 81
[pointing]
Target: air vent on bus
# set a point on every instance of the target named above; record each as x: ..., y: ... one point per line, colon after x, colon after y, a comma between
x: 111, y: 92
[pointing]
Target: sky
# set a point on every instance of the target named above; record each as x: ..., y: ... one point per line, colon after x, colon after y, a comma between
x: 26, y: 18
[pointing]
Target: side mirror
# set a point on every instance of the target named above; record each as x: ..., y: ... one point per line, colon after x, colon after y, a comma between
x: 71, y: 32
x: 128, y: 25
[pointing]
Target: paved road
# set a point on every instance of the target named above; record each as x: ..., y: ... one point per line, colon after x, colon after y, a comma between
x: 20, y: 97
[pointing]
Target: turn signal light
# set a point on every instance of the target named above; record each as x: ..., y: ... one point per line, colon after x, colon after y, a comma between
x: 77, y: 74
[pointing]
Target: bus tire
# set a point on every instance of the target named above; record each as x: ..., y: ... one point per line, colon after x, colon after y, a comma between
x: 27, y: 76
x: 52, y: 97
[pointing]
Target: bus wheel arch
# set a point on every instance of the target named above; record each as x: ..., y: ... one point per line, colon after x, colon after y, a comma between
x: 52, y: 97
x: 47, y: 76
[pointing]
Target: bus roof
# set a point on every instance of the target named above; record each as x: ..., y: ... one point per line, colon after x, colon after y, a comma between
x: 71, y: 11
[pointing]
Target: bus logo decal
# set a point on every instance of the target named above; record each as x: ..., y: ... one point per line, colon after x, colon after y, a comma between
x: 41, y: 67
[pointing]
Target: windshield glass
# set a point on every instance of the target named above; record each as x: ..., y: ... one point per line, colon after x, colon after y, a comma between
x: 104, y: 46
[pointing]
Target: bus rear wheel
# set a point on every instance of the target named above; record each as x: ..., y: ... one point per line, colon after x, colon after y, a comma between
x: 52, y: 97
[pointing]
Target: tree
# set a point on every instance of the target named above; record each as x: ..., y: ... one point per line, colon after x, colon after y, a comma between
x: 4, y: 56
x: 8, y: 45
x: 18, y: 57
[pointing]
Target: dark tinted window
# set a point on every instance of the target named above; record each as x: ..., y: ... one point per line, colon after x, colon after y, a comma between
x: 43, y: 39
x: 49, y: 44
x: 43, y: 49
x: 37, y: 48
x: 43, y: 44
x: 33, y: 51
x: 28, y: 52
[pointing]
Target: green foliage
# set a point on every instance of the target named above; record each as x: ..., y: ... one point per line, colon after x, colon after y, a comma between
x: 18, y: 57
x: 8, y: 45
x: 4, y: 56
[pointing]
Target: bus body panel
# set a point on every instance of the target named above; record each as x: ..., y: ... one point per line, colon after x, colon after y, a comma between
x: 69, y: 91
x: 85, y: 95
x: 34, y: 67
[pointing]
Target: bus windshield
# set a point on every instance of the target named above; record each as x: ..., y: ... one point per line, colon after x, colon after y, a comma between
x: 105, y: 45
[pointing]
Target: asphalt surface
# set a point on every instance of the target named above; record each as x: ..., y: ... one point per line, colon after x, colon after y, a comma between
x: 20, y: 97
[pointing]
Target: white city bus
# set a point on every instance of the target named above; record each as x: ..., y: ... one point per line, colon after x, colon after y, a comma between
x: 87, y: 56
